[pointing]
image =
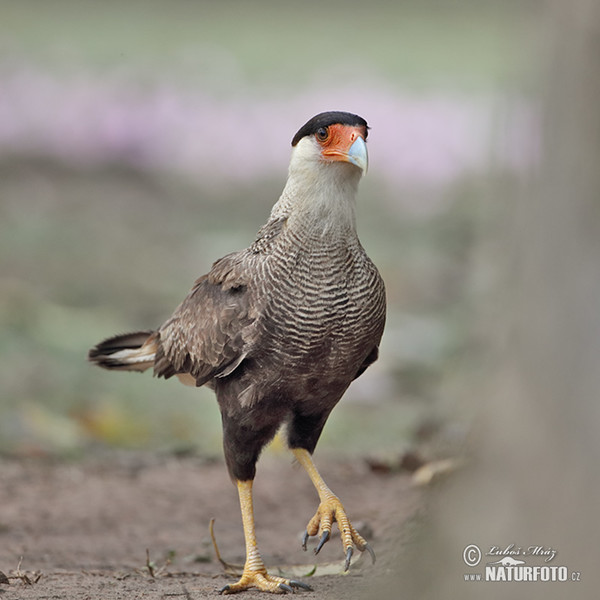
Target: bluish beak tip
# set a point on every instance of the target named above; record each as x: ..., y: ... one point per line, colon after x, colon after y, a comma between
x: 357, y: 154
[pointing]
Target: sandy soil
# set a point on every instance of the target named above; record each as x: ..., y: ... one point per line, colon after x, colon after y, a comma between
x: 81, y: 529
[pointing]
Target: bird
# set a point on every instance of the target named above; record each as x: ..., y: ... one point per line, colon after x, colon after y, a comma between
x: 280, y: 329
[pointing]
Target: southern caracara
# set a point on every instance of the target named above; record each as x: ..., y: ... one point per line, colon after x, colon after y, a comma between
x: 280, y: 330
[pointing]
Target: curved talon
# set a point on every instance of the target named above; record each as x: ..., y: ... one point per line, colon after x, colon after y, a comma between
x: 285, y: 587
x: 301, y: 585
x: 349, y: 553
x: 304, y: 540
x: 324, y: 537
x: 224, y: 589
x: 330, y: 511
x: 371, y: 552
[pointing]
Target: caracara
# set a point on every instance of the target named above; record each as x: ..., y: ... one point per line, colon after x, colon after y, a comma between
x: 279, y: 330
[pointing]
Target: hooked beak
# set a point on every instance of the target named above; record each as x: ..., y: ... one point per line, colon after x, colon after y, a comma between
x: 346, y: 144
x: 357, y: 154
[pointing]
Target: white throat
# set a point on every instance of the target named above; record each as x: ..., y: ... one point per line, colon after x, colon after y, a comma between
x: 318, y: 194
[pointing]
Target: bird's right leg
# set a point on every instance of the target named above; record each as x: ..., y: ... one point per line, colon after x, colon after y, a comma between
x: 255, y: 573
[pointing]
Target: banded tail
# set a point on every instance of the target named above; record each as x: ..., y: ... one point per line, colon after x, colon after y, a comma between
x: 127, y: 352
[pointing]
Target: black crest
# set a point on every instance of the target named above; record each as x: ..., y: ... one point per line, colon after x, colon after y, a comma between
x: 326, y: 119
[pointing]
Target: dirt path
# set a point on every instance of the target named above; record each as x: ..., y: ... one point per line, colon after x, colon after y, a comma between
x: 82, y: 528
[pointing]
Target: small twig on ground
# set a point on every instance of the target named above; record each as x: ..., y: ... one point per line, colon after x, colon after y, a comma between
x: 227, y: 567
x: 22, y: 576
x: 151, y: 567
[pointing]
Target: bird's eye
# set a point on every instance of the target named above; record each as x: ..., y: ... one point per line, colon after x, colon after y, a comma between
x: 322, y: 134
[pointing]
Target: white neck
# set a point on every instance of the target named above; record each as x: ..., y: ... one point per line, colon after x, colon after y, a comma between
x: 318, y: 195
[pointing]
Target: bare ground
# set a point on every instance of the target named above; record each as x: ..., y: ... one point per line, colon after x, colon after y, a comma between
x: 81, y: 529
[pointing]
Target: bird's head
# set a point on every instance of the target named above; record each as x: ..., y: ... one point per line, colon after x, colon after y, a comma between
x: 332, y: 138
x: 329, y: 156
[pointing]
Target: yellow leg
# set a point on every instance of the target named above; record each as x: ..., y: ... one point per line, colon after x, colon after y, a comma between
x: 330, y: 510
x: 255, y: 573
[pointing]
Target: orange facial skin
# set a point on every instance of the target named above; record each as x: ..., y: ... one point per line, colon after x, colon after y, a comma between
x: 338, y: 139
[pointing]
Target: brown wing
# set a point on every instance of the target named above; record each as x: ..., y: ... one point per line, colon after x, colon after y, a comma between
x: 211, y: 332
x: 371, y: 358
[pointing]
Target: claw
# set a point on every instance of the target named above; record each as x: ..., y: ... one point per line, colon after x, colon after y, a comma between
x: 286, y: 588
x: 349, y: 553
x: 224, y: 589
x: 324, y: 537
x: 371, y: 552
x: 301, y: 585
x: 304, y: 540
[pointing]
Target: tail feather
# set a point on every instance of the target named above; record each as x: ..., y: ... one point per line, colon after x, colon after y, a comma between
x: 127, y: 352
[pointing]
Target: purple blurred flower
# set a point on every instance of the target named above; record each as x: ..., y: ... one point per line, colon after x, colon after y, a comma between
x: 426, y: 140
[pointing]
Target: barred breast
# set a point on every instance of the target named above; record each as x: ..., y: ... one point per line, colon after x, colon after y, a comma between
x: 324, y: 312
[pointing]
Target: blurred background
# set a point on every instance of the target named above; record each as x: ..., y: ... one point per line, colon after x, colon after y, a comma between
x: 141, y: 141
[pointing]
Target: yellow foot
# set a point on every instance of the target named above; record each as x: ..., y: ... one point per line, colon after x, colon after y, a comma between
x: 330, y: 510
x: 264, y: 582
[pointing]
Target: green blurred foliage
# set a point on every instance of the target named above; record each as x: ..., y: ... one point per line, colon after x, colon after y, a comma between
x: 460, y: 44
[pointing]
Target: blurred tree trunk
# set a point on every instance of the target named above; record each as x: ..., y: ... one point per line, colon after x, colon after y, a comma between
x: 535, y: 474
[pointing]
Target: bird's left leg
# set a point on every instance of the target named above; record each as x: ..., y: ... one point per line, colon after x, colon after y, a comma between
x: 330, y: 510
x: 255, y: 573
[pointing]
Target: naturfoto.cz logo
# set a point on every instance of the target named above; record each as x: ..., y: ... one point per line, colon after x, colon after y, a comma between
x: 510, y: 566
